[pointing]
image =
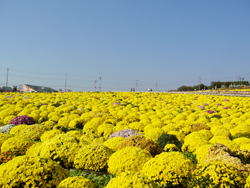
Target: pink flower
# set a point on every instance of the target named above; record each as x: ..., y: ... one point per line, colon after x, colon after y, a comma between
x: 210, y: 111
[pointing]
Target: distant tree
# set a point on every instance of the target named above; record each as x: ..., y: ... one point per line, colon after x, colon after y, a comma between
x: 185, y: 88
x: 200, y: 87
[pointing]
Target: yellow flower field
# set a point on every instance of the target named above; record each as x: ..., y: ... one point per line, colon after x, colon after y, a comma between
x: 124, y: 139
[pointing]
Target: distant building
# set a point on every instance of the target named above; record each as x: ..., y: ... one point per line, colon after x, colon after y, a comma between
x: 32, y: 88
x: 6, y: 89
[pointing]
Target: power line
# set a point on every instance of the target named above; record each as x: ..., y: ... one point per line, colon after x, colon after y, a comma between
x: 65, y: 82
x: 100, y: 83
x: 136, y: 85
x: 95, y: 87
x: 7, y: 77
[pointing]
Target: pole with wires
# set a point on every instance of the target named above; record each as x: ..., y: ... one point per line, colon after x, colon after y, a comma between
x: 65, y: 82
x: 7, y: 77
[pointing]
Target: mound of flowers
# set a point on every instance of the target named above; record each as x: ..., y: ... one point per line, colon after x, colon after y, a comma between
x: 25, y: 171
x: 142, y: 139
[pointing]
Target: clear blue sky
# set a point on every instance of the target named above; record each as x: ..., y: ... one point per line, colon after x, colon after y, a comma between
x: 168, y: 42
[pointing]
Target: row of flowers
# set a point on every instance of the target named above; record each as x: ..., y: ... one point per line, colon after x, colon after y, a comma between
x: 141, y: 139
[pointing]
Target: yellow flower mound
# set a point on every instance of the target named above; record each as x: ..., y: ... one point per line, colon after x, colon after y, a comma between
x: 170, y: 147
x: 60, y: 148
x: 220, y: 131
x: 17, y: 129
x: 16, y: 145
x: 114, y: 143
x: 105, y: 130
x: 92, y: 157
x: 153, y: 133
x: 131, y: 180
x: 225, y: 141
x: 217, y: 174
x: 240, y: 131
x: 50, y: 134
x: 3, y: 138
x: 143, y: 143
x: 76, y: 123
x: 196, y: 139
x: 248, y: 182
x: 169, y: 169
x: 25, y: 171
x: 32, y: 132
x: 128, y: 159
x: 76, y: 182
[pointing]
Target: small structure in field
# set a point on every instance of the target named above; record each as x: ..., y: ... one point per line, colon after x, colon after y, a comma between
x: 32, y: 88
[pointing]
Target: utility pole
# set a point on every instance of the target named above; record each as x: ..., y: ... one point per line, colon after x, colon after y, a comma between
x: 95, y: 81
x: 199, y: 80
x: 65, y: 83
x: 136, y: 85
x: 156, y: 86
x: 7, y: 77
x: 100, y: 83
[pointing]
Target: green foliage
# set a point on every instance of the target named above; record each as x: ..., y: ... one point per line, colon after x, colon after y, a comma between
x: 168, y: 139
x: 133, y: 180
x: 190, y: 156
x: 76, y: 182
x: 100, y: 179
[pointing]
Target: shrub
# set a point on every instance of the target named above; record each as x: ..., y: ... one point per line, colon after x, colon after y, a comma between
x: 76, y: 182
x: 128, y: 159
x: 225, y: 141
x: 76, y: 123
x: 216, y: 174
x: 240, y: 131
x: 199, y: 126
x: 16, y: 145
x: 114, y: 143
x: 50, y: 134
x: 17, y: 129
x: 169, y: 169
x: 243, y: 155
x: 99, y: 179
x: 75, y: 133
x: 220, y: 131
x: 3, y: 138
x: 153, y: 133
x: 196, y: 139
x: 6, y: 156
x: 128, y: 179
x: 90, y: 128
x: 92, y: 157
x: 22, y: 120
x: 124, y: 133
x: 25, y: 171
x: 143, y: 143
x: 60, y: 148
x: 165, y: 139
x: 248, y: 182
x: 32, y: 132
x: 105, y: 130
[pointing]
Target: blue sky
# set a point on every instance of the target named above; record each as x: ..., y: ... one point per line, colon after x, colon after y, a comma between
x: 159, y: 43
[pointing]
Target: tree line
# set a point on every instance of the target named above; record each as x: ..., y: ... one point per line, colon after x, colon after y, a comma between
x: 214, y: 85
